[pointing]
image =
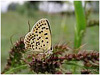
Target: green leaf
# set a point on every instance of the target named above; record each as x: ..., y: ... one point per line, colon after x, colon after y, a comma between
x: 12, y: 70
x: 80, y: 23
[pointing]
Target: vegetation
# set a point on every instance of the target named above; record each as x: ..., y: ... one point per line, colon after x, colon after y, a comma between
x: 80, y: 23
x: 15, y: 25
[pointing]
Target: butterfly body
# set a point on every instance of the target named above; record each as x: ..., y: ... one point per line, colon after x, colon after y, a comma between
x: 39, y: 38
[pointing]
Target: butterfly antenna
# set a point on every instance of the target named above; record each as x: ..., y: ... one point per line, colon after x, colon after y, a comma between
x: 11, y: 39
x: 29, y: 26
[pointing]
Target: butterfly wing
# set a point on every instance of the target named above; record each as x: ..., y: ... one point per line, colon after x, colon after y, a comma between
x: 40, y: 36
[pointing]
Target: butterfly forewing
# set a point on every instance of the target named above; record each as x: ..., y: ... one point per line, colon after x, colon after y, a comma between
x: 40, y: 36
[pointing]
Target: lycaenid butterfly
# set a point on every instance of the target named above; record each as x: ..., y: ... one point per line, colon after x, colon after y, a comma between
x: 39, y: 38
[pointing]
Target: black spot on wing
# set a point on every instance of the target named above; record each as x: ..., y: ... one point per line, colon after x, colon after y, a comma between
x: 33, y: 39
x: 40, y: 32
x: 39, y: 37
x: 42, y: 41
x: 43, y: 27
x: 34, y: 35
x: 47, y: 28
x: 37, y: 43
x: 32, y: 46
x: 46, y: 38
x: 36, y: 32
x: 29, y: 45
x: 27, y: 41
x: 43, y: 44
x: 45, y: 24
x: 38, y: 26
x: 39, y: 23
x: 45, y: 33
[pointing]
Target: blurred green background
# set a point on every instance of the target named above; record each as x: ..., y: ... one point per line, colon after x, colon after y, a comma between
x: 15, y: 22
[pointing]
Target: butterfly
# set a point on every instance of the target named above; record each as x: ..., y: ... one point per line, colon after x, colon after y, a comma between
x: 39, y: 38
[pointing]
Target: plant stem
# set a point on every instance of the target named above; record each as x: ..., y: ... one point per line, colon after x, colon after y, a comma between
x: 80, y: 23
x: 80, y: 26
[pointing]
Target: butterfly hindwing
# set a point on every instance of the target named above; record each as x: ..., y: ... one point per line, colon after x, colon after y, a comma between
x: 40, y: 36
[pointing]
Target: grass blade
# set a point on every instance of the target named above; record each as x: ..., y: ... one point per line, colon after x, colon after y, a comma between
x: 80, y: 23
